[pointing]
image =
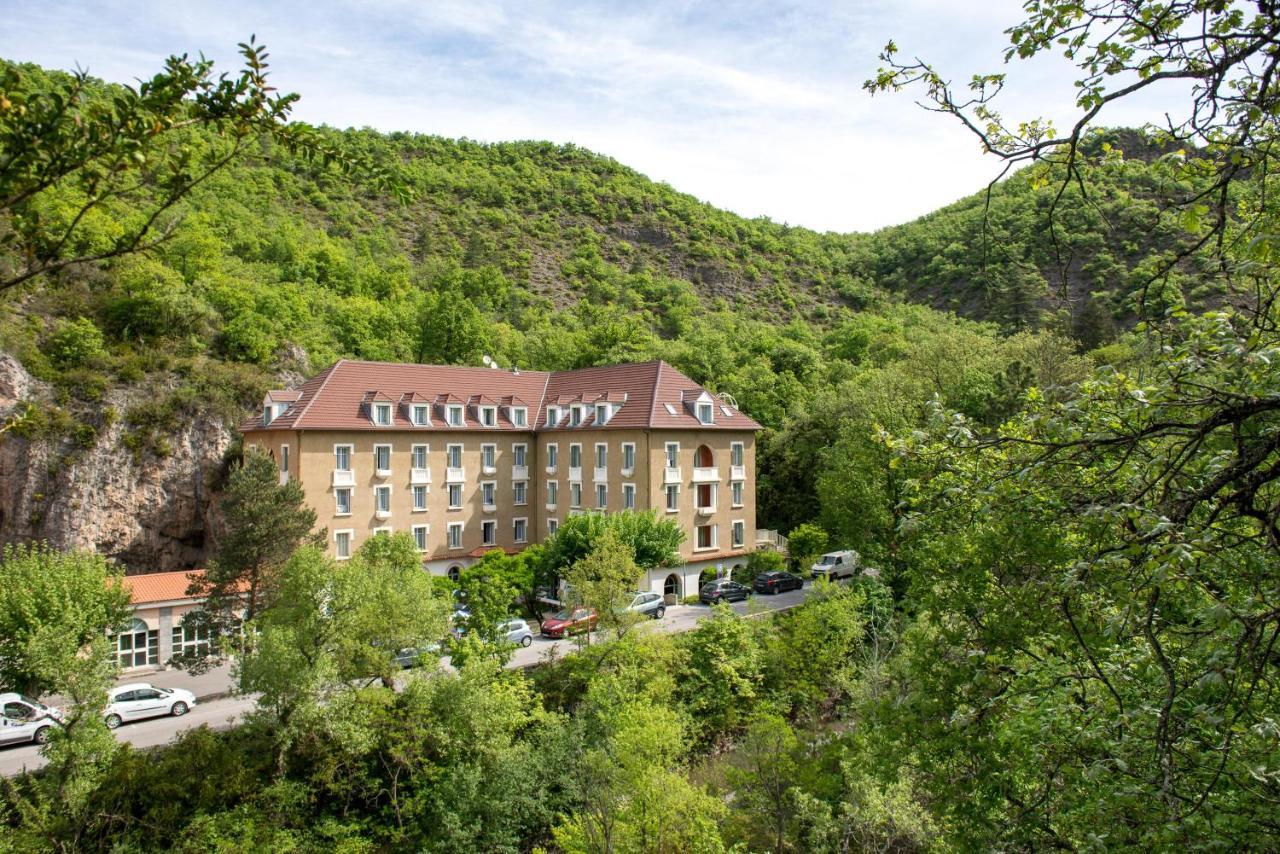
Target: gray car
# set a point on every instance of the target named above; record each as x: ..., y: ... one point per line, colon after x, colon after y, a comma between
x: 648, y: 604
x: 518, y: 632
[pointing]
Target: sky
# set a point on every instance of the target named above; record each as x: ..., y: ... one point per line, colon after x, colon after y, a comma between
x: 754, y: 107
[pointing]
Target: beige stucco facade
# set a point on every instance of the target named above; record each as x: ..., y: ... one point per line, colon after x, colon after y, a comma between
x: 312, y: 457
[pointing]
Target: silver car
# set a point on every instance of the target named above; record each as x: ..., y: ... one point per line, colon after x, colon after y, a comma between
x: 139, y: 700
x: 648, y: 604
x: 518, y: 632
x: 23, y: 719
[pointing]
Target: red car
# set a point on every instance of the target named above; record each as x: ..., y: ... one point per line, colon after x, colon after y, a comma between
x: 568, y: 622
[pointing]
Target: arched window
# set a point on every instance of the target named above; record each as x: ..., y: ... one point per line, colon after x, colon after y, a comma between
x: 455, y: 572
x: 671, y: 587
x: 136, y: 645
x: 704, y: 458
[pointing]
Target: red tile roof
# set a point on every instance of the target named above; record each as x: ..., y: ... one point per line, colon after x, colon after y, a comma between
x: 160, y: 586
x: 338, y: 397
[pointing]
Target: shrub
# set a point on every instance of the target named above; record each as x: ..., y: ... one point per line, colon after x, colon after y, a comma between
x: 75, y: 343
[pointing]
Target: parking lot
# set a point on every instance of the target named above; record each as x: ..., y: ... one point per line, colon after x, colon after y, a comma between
x: 218, y: 710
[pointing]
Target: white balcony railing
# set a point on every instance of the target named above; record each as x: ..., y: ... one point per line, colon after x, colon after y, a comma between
x: 490, y: 507
x: 344, y: 477
x: 382, y: 514
x: 418, y: 477
x: 452, y: 475
x: 284, y: 478
x: 706, y: 511
x: 628, y: 472
x: 519, y: 472
x: 382, y: 472
x: 706, y: 475
x: 575, y: 474
x: 600, y: 474
x: 551, y: 469
x: 737, y: 472
x: 551, y: 506
x: 488, y: 469
x: 671, y: 475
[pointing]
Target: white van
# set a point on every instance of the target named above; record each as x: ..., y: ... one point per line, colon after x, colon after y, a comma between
x: 835, y: 565
x: 23, y: 720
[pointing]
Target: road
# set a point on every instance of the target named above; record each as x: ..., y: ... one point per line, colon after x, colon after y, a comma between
x: 224, y: 711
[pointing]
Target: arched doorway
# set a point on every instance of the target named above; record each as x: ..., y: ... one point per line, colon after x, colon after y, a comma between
x: 708, y: 574
x: 671, y: 587
x: 454, y: 573
x: 704, y: 458
x: 136, y: 645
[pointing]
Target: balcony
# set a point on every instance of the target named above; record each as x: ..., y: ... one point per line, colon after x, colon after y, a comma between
x: 708, y: 475
x: 551, y: 469
x: 382, y: 472
x: 737, y: 472
x: 489, y: 469
x: 519, y: 472
x: 489, y: 507
x: 455, y: 475
x: 671, y: 475
x: 629, y: 471
x: 418, y: 477
x: 344, y: 477
x: 382, y: 514
x: 600, y: 474
x: 575, y: 474
x: 551, y: 506
x: 706, y: 511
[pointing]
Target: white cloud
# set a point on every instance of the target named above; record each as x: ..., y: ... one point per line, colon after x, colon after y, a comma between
x: 753, y: 106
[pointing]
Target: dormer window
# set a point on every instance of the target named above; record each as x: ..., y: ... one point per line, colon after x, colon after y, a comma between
x: 706, y: 413
x: 553, y: 416
x: 421, y: 415
x: 382, y: 414
x: 489, y: 416
x: 272, y: 411
x: 520, y: 416
x: 602, y: 413
x: 575, y: 416
x: 455, y: 416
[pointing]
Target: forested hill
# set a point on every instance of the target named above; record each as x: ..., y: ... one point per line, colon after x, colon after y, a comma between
x: 543, y: 256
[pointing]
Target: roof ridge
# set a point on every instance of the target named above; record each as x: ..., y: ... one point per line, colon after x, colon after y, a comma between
x: 332, y: 369
x: 653, y: 401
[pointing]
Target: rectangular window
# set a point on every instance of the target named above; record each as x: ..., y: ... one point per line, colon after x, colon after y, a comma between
x: 382, y: 414
x: 488, y: 493
x: 602, y: 455
x: 735, y: 454
x: 489, y: 531
x: 488, y: 456
x: 602, y: 496
x: 553, y: 416
x: 455, y: 535
x: 518, y: 453
x: 382, y: 499
x: 575, y: 456
x: 575, y: 416
x: 739, y: 533
x: 520, y: 530
x: 455, y: 416
x: 489, y: 416
x: 421, y: 414
x: 602, y: 413
x: 553, y: 525
x: 418, y: 456
x: 455, y: 496
x: 673, y: 454
x: 553, y: 492
x: 342, y: 457
x: 382, y: 458
x: 705, y: 413
x: 629, y: 496
x: 628, y: 456
x: 342, y: 544
x: 736, y: 492
x: 342, y: 498
x: 284, y: 458
x: 673, y: 497
x: 575, y: 494
x: 520, y: 416
x: 455, y: 456
x: 553, y: 454
x: 420, y: 537
x: 419, y: 498
x: 519, y: 490
x: 706, y: 538
x: 192, y: 640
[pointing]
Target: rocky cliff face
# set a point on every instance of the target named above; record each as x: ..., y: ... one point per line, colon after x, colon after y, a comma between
x: 148, y: 514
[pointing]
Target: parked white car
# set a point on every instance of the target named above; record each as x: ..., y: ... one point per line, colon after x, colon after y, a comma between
x: 836, y: 565
x: 139, y: 700
x: 23, y: 720
x: 519, y: 633
x: 648, y: 604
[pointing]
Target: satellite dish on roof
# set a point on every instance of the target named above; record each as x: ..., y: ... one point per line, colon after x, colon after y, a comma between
x: 488, y: 361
